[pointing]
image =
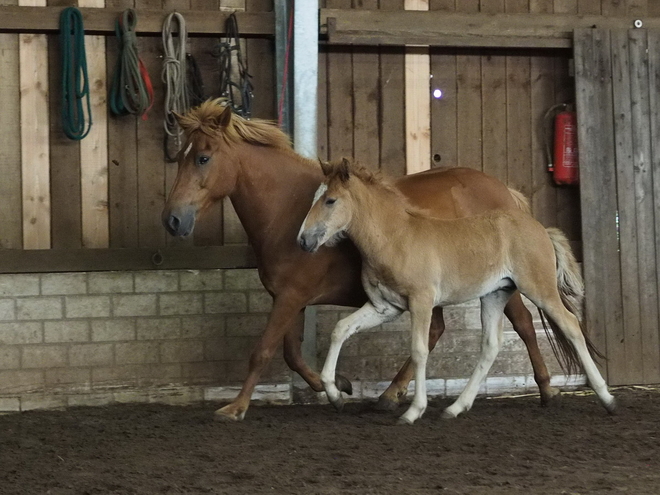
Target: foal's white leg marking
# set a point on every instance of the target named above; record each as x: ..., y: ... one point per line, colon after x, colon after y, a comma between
x: 570, y: 326
x: 421, y: 313
x: 365, y: 317
x: 492, y: 312
x: 317, y: 195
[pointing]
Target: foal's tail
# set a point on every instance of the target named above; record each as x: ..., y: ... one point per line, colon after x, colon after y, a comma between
x: 571, y: 291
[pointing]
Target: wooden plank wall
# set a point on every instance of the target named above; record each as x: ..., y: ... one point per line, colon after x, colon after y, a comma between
x: 618, y: 76
x: 109, y: 189
x: 489, y: 116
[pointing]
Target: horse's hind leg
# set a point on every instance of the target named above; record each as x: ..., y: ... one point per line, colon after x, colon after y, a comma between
x: 390, y: 399
x: 523, y: 324
x: 570, y: 326
x: 492, y: 307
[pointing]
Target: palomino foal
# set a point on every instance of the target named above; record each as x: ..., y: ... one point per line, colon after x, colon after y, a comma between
x: 414, y: 262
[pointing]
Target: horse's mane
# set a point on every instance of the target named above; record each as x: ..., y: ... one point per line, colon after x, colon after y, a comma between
x: 207, y: 118
x: 375, y: 178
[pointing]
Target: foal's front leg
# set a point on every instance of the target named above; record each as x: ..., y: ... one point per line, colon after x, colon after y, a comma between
x: 365, y: 317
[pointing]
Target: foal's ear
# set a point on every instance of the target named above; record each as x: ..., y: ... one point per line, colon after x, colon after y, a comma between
x: 343, y: 170
x: 326, y: 168
x: 224, y: 118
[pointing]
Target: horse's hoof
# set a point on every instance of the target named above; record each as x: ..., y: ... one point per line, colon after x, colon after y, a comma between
x: 344, y: 384
x: 386, y: 404
x: 550, y: 396
x: 611, y: 406
x: 447, y: 414
x: 403, y: 421
x: 226, y: 414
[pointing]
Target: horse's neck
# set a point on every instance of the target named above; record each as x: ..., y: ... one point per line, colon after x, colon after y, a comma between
x: 272, y: 194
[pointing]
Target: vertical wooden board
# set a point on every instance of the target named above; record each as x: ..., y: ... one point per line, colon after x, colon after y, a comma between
x: 94, y: 148
x: 639, y: 7
x: 646, y: 235
x: 624, y: 362
x: 519, y: 138
x: 613, y: 8
x: 151, y: 162
x: 542, y: 6
x: 322, y: 114
x: 35, y: 160
x: 122, y: 159
x: 340, y: 95
x: 66, y: 199
x: 492, y: 6
x: 11, y: 236
x: 494, y: 112
x: 261, y: 66
x: 447, y: 5
x: 543, y: 192
x: 468, y: 101
x: 653, y: 8
x: 392, y: 104
x: 443, y: 109
x: 652, y: 339
x: 598, y: 188
x: 366, y: 97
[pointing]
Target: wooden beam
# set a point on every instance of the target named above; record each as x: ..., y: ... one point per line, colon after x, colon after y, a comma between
x: 87, y: 260
x: 455, y: 29
x: 418, y: 101
x: 150, y: 22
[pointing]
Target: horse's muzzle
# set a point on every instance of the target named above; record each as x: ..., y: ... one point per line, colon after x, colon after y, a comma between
x: 180, y: 222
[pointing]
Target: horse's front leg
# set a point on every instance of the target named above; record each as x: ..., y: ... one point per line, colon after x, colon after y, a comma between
x: 365, y: 317
x: 396, y: 392
x: 421, y: 310
x: 286, y: 309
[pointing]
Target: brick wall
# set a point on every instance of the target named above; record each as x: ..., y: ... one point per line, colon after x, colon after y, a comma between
x: 181, y: 336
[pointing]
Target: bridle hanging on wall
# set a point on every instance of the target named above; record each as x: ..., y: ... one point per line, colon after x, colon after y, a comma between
x: 238, y: 93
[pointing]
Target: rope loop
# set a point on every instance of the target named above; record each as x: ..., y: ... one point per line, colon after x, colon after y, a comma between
x: 131, y: 91
x: 75, y: 81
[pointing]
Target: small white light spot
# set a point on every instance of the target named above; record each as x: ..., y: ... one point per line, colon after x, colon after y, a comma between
x: 437, y: 93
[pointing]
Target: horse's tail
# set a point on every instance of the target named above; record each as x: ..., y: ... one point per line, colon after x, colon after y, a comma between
x: 571, y: 291
x: 521, y: 200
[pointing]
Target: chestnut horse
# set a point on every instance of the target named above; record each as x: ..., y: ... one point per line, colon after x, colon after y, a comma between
x: 271, y: 188
x: 412, y: 261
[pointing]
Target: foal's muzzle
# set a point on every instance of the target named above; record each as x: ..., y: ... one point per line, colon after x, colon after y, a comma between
x: 180, y: 221
x: 309, y: 240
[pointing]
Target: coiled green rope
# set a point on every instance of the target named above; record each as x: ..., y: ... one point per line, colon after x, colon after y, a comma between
x: 131, y: 90
x: 75, y: 81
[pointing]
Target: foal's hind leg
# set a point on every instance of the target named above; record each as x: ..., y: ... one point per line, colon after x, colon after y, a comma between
x: 523, y: 324
x: 390, y: 399
x: 570, y: 326
x: 492, y: 307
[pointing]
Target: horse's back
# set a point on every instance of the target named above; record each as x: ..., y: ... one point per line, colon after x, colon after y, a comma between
x: 456, y: 192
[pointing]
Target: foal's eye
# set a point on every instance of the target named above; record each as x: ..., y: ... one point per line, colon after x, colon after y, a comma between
x: 330, y: 201
x: 202, y: 160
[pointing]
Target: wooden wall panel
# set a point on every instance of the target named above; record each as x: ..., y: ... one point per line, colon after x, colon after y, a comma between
x: 11, y: 235
x: 122, y: 160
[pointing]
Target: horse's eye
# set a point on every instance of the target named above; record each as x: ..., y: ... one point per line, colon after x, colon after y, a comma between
x: 202, y: 160
x: 330, y: 201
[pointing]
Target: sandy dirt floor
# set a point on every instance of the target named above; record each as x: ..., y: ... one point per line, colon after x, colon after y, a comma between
x: 502, y: 446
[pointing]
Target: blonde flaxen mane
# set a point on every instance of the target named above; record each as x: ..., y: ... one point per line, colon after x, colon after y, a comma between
x: 208, y: 118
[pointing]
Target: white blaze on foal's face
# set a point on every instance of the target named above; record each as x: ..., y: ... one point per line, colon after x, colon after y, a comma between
x: 326, y: 221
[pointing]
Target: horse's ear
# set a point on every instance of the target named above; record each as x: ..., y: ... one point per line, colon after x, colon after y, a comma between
x: 224, y: 118
x: 343, y: 170
x: 325, y: 167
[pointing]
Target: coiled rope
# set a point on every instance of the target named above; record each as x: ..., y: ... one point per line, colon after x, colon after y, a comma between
x: 175, y: 77
x: 238, y: 93
x: 131, y: 91
x: 75, y: 81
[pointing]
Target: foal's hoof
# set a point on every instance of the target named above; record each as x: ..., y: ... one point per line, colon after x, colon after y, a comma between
x: 386, y: 404
x: 344, y: 384
x: 611, y: 406
x: 446, y: 414
x: 338, y: 404
x: 403, y: 421
x: 550, y: 396
x: 228, y: 414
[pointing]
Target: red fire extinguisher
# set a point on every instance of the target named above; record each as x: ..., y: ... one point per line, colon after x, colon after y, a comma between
x: 563, y: 163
